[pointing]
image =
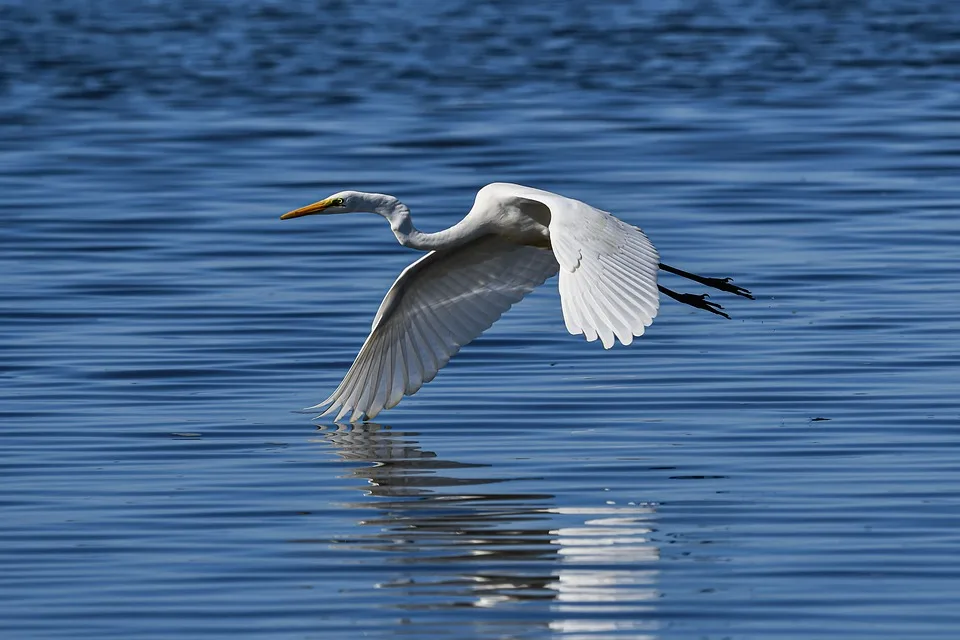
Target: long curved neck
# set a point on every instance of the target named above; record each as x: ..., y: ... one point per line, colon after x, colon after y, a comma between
x: 398, y: 215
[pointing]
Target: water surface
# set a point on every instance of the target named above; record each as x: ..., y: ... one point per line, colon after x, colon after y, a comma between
x: 791, y: 473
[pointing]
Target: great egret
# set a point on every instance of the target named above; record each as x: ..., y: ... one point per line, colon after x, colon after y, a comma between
x: 509, y: 243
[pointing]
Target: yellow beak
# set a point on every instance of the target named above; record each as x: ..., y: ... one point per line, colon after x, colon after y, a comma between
x: 316, y: 207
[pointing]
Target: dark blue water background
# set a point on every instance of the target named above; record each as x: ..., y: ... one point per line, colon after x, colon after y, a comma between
x: 791, y: 473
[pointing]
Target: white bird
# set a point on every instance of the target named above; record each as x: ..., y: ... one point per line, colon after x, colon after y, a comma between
x: 509, y: 243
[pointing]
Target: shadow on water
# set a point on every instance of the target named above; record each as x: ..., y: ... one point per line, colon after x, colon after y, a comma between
x: 456, y: 535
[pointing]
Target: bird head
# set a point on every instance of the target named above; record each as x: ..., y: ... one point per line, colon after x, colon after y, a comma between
x: 349, y: 202
x: 343, y: 202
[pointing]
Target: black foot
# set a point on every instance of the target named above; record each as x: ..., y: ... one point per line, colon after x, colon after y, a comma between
x: 726, y: 284
x: 694, y: 300
x: 723, y: 284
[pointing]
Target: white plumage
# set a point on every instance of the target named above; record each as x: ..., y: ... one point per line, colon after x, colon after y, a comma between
x: 438, y: 304
x: 510, y: 242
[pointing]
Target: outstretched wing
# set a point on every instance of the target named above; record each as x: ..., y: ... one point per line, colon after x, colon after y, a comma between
x: 438, y: 304
x: 608, y: 268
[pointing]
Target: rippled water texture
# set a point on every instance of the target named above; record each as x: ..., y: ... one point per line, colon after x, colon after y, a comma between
x: 791, y: 473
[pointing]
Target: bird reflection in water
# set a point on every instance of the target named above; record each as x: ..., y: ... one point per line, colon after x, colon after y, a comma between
x: 460, y: 536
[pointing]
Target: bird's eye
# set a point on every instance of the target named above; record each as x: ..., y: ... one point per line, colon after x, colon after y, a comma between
x: 338, y: 202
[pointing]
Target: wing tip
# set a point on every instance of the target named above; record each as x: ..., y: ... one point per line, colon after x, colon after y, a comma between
x: 319, y: 406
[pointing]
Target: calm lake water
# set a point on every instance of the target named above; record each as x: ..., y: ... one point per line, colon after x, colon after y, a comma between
x: 791, y: 473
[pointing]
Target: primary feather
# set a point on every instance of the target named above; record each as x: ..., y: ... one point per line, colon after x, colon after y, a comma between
x: 438, y: 304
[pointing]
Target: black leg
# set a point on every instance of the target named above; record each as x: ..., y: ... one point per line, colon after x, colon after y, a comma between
x: 698, y: 301
x: 723, y: 284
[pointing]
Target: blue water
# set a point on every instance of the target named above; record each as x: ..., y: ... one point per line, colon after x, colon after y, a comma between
x: 791, y: 473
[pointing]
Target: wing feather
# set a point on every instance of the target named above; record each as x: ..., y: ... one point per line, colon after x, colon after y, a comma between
x: 570, y: 317
x: 385, y: 383
x: 608, y: 268
x: 365, y: 379
x: 438, y: 304
x: 399, y: 370
x: 585, y: 304
x: 640, y: 301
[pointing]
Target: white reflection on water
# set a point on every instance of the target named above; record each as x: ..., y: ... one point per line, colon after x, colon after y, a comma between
x: 603, y: 570
x: 494, y: 547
